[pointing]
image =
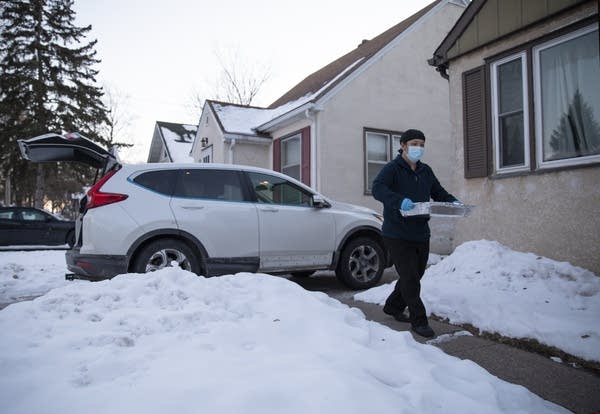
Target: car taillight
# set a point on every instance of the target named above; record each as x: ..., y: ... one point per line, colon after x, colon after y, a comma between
x: 96, y: 198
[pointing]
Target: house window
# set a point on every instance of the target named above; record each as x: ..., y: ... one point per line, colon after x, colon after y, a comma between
x: 563, y: 129
x: 207, y: 154
x: 380, y: 148
x: 510, y: 118
x: 290, y: 156
x: 567, y: 94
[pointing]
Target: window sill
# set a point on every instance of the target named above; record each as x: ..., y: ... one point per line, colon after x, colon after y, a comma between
x: 541, y: 171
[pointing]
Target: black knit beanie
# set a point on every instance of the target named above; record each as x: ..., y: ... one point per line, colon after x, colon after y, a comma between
x: 411, y: 134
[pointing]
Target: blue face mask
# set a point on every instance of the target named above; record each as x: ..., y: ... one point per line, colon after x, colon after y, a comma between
x: 415, y: 153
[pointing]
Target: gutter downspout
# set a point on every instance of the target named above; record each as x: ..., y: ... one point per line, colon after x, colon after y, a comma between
x: 231, y: 146
x: 311, y: 114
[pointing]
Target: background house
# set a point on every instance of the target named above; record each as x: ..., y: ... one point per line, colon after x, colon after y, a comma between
x: 337, y: 128
x: 172, y: 142
x: 524, y: 80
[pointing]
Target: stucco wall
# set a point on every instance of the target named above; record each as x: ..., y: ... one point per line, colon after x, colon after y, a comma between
x: 397, y: 92
x: 553, y: 214
x: 255, y: 155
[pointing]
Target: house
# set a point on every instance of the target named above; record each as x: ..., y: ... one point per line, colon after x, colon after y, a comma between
x: 524, y: 78
x: 172, y: 142
x: 336, y: 129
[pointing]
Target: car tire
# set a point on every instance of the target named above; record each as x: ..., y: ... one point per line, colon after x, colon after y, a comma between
x: 162, y: 253
x: 304, y: 274
x: 70, y: 239
x: 361, y: 263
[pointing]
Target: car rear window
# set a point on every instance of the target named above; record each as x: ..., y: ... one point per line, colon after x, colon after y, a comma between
x: 212, y: 184
x: 162, y: 181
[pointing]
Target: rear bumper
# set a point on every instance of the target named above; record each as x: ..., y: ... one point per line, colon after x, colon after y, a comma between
x: 95, y: 266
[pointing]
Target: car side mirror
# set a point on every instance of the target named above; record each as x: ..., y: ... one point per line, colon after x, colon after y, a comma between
x: 319, y: 202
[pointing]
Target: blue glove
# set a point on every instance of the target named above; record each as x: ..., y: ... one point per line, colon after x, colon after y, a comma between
x: 406, y: 204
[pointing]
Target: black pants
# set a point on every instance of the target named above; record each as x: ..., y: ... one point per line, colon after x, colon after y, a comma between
x: 410, y: 260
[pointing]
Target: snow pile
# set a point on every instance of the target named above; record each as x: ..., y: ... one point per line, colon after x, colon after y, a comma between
x: 170, y: 341
x: 518, y: 295
x: 26, y: 274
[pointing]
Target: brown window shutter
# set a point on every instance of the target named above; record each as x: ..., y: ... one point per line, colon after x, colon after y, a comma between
x: 305, y: 156
x: 277, y: 155
x: 474, y: 121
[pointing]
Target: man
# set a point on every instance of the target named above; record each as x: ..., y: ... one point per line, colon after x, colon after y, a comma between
x: 402, y: 182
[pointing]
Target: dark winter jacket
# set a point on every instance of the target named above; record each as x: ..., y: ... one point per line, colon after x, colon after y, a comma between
x: 397, y: 181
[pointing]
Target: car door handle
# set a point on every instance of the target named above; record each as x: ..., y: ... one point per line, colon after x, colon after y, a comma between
x: 269, y: 210
x: 192, y: 207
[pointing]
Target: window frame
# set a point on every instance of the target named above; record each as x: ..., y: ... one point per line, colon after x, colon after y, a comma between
x: 390, y: 137
x: 532, y: 115
x: 496, y: 116
x: 297, y: 136
x: 537, y: 101
x: 286, y: 182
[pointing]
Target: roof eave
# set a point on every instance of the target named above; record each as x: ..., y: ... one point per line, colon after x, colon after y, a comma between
x: 286, y: 118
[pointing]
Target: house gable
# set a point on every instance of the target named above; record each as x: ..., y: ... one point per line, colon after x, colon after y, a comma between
x: 328, y: 77
x: 486, y: 21
x: 172, y: 142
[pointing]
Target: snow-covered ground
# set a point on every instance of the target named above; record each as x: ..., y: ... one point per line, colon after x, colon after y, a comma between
x: 172, y: 341
x: 518, y: 295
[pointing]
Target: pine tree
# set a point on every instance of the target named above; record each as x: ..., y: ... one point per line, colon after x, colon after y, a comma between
x: 47, y: 84
x: 577, y: 133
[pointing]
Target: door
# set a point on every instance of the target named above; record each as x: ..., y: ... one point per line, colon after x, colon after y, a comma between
x: 211, y: 205
x: 34, y: 227
x: 293, y: 234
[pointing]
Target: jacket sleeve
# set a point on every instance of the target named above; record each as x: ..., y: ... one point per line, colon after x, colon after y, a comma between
x: 439, y: 193
x: 382, y: 188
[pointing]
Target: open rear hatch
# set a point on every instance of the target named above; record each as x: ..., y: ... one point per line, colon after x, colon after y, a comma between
x: 72, y: 147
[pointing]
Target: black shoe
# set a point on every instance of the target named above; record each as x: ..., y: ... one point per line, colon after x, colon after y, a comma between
x: 423, y: 330
x: 398, y: 315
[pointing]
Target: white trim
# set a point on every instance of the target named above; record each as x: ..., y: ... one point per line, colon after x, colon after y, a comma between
x: 541, y: 164
x: 495, y: 124
x: 247, y: 139
x: 389, y: 155
x: 290, y: 116
x: 298, y: 137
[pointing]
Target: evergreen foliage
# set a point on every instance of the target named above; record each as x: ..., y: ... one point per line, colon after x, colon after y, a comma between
x: 47, y: 84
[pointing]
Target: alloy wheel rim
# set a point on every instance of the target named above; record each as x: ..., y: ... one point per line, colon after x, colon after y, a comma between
x: 165, y: 258
x: 364, y: 263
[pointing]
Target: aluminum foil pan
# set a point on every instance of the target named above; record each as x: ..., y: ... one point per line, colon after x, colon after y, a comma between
x: 436, y: 208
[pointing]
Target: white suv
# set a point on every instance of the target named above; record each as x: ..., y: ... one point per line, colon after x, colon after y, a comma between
x: 211, y: 219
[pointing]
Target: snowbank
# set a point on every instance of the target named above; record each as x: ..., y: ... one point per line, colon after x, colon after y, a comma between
x: 170, y: 341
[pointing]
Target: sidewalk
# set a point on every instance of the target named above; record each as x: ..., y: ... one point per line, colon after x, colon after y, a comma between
x: 575, y: 389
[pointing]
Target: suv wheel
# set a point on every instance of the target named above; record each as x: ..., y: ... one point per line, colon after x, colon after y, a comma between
x: 361, y: 263
x: 162, y: 253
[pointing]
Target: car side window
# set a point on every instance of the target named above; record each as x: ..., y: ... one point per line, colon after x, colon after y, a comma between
x: 8, y: 215
x: 222, y: 185
x: 33, y: 215
x: 270, y: 189
x: 161, y: 181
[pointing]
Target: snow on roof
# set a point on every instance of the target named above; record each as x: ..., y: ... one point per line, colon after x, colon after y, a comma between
x: 245, y: 119
x: 178, y: 138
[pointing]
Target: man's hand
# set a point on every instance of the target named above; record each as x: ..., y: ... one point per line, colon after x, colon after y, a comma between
x: 457, y: 203
x: 406, y: 204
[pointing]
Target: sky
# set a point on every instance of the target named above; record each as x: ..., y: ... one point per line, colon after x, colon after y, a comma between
x: 170, y: 341
x: 158, y: 55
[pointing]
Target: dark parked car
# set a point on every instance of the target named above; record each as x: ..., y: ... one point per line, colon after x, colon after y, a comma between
x: 32, y: 226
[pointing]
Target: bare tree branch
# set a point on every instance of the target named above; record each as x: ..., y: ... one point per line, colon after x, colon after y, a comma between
x: 240, y: 80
